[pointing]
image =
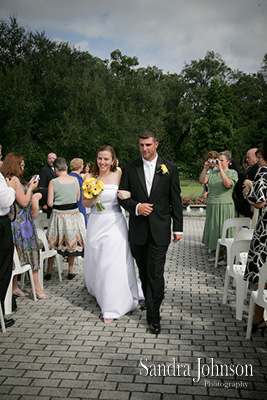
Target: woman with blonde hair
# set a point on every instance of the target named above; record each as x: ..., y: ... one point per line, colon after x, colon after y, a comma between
x: 76, y: 166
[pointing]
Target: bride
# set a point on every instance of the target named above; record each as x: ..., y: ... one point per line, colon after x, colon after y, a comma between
x: 109, y: 273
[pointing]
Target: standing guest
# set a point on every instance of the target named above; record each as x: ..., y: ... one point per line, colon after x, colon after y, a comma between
x: 46, y: 174
x: 76, y: 166
x: 220, y: 205
x: 23, y: 227
x: 66, y: 230
x: 241, y: 205
x: 7, y: 197
x: 86, y: 170
x: 260, y: 160
x: 109, y: 273
x: 256, y: 194
x: 211, y: 156
x: 233, y: 164
x: 153, y: 183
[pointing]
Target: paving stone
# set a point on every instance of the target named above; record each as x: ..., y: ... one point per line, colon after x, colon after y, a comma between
x: 61, y: 349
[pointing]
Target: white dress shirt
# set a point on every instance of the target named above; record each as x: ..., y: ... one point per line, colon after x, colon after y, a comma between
x: 7, y: 196
x: 149, y: 171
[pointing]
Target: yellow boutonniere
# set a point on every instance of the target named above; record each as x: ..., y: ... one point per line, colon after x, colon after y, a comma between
x: 163, y: 169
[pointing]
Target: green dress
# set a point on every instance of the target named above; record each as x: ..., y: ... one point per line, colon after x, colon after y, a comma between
x: 220, y: 206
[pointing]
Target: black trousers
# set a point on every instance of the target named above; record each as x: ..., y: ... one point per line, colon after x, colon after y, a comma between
x: 150, y: 260
x: 6, y: 256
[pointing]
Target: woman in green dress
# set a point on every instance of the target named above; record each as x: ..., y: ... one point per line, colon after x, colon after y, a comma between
x: 220, y: 205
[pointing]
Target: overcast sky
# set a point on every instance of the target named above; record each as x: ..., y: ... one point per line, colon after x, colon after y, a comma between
x: 164, y: 33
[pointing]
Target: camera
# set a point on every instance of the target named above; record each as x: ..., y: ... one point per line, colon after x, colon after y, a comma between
x: 36, y: 178
x: 212, y: 162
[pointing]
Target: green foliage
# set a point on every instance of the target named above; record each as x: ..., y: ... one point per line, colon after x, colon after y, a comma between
x: 56, y: 98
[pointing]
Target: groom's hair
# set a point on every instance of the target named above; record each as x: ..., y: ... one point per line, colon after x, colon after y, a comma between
x: 147, y: 133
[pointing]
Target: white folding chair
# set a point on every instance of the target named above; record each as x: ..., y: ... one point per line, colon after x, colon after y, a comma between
x: 3, y: 327
x: 257, y: 297
x: 236, y: 270
x: 41, y: 221
x: 238, y: 224
x: 19, y: 269
x: 45, y: 253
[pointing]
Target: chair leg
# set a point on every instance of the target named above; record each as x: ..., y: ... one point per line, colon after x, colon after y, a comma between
x: 250, y: 317
x: 2, y: 320
x: 8, y: 298
x: 33, y: 285
x: 58, y: 259
x: 41, y: 272
x: 226, y: 286
x: 240, y: 297
x: 217, y: 255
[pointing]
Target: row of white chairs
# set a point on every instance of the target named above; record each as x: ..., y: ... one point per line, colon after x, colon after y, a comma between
x: 237, y: 251
x: 45, y: 253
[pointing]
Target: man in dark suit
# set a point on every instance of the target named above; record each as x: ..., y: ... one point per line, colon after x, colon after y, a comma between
x: 241, y: 205
x: 46, y: 174
x: 154, y: 201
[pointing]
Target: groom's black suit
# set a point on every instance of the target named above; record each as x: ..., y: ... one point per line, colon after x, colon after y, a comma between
x: 150, y: 236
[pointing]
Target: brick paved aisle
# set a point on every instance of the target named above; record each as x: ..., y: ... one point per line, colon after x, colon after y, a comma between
x: 61, y: 349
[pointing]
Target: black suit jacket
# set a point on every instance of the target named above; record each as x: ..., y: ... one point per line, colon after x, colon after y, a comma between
x: 165, y: 197
x: 46, y: 174
x: 241, y: 205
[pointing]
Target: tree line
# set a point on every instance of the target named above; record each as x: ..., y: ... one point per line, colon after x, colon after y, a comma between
x: 57, y: 98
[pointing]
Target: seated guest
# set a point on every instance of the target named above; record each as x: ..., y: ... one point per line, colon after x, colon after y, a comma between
x: 23, y: 228
x: 241, y: 205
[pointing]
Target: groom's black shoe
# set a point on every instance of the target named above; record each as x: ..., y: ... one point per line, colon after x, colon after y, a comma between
x: 154, y: 328
x: 142, y: 305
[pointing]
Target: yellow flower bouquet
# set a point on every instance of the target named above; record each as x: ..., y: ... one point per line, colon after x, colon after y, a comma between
x: 92, y: 188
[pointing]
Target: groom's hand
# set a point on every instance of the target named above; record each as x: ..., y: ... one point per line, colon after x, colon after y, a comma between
x: 177, y: 237
x: 145, y: 209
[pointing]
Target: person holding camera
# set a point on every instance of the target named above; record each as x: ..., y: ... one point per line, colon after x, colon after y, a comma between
x: 220, y: 205
x: 22, y: 224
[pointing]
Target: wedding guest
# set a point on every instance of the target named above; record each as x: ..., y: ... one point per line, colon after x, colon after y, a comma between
x: 256, y: 194
x: 154, y: 202
x: 7, y: 197
x: 23, y: 228
x: 86, y: 170
x: 241, y: 205
x: 109, y: 273
x: 76, y: 166
x: 46, y: 174
x: 220, y: 205
x: 66, y: 230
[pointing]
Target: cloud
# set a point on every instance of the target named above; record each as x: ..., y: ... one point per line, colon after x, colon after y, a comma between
x: 162, y: 33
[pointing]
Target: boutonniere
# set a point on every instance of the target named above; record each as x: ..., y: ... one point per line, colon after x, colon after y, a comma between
x: 162, y: 168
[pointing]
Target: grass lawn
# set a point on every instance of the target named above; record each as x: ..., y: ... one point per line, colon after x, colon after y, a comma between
x: 188, y: 188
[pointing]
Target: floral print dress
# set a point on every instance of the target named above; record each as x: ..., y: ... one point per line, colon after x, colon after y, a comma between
x: 257, y: 255
x: 25, y: 235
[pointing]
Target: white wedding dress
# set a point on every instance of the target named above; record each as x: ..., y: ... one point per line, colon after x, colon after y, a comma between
x: 109, y: 273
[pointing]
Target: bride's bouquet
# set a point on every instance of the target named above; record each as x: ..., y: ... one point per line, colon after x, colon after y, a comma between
x: 92, y: 188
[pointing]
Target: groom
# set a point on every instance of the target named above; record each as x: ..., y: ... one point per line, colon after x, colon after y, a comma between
x: 155, y: 200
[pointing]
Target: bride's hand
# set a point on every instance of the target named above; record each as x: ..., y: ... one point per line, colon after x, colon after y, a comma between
x: 124, y: 194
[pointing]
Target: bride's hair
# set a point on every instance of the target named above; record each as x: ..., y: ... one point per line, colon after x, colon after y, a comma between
x: 113, y: 167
